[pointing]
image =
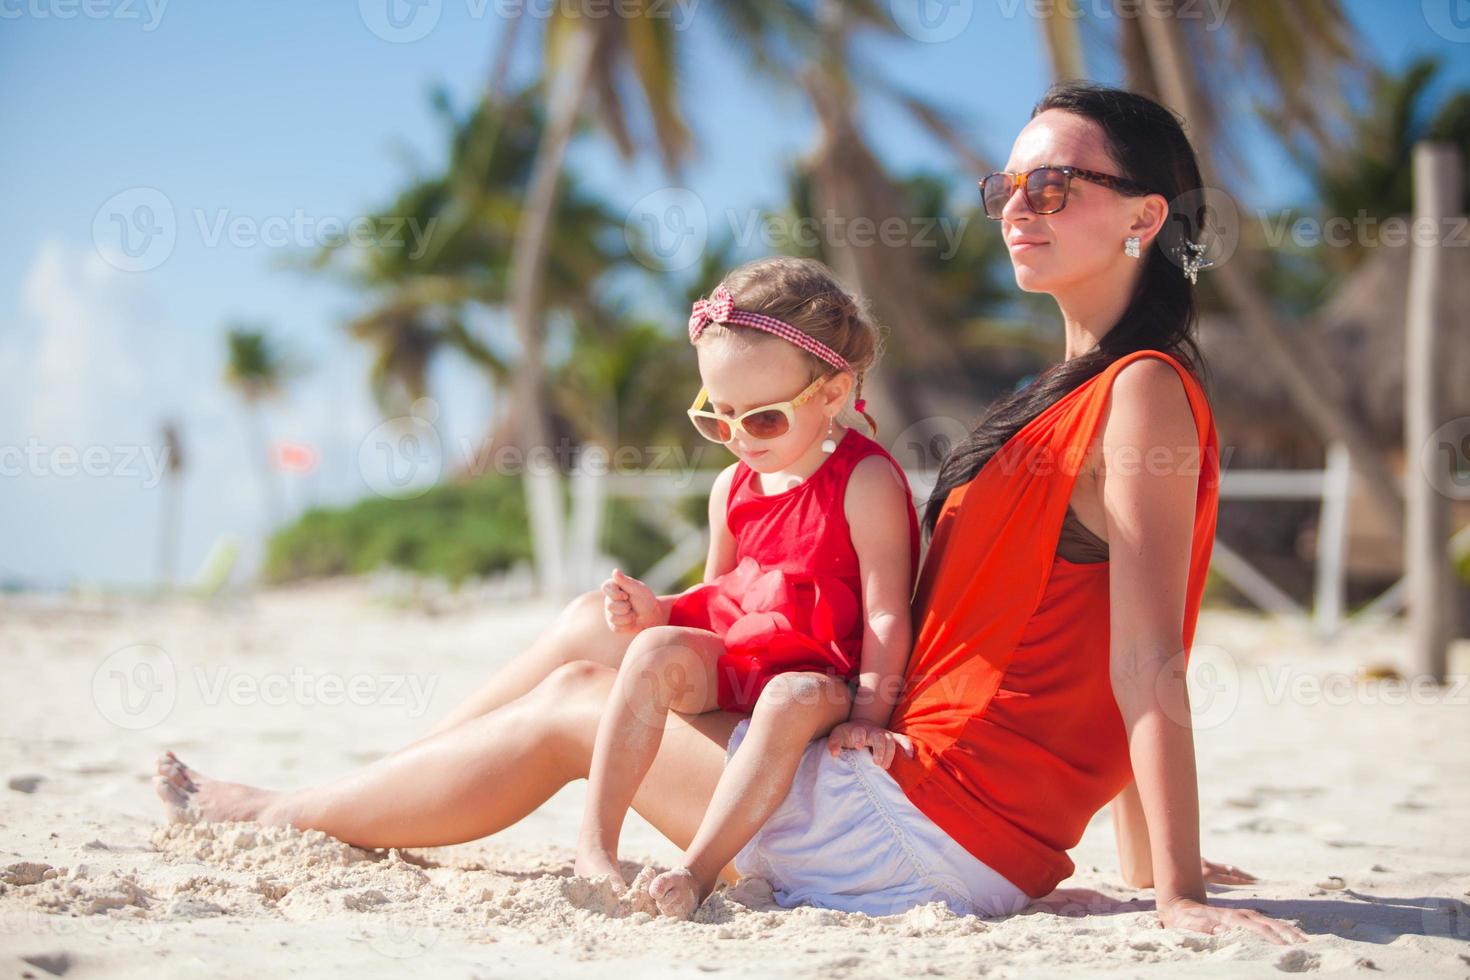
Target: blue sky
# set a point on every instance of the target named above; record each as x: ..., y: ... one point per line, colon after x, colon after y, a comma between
x: 276, y: 117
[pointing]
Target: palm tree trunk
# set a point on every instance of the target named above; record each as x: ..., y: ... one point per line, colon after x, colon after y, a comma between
x: 528, y: 261
x: 1310, y: 381
x: 255, y: 418
x: 849, y: 182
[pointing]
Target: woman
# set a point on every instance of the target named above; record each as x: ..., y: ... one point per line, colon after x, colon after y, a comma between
x: 1055, y: 605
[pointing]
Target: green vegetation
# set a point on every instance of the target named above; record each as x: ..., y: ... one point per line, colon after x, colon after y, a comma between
x: 455, y: 530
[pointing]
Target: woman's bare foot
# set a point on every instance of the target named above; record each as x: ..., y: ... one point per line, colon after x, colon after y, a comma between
x: 190, y: 797
x: 678, y: 893
x: 593, y: 861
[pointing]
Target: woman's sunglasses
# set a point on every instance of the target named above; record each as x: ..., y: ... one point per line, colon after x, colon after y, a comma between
x: 766, y: 422
x: 1045, y: 188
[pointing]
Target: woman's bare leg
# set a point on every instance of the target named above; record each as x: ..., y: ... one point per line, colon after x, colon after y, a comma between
x: 792, y: 710
x: 666, y: 668
x: 483, y: 775
x: 579, y: 633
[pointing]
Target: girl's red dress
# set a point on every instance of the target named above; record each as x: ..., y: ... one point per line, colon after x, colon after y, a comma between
x: 793, y: 601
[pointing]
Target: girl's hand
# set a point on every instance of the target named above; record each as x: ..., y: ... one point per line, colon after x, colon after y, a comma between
x: 1186, y: 913
x: 628, y: 605
x: 865, y: 734
x: 1224, y: 874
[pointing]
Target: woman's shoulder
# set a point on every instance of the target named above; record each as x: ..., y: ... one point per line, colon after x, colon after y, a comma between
x: 1149, y: 406
x: 1152, y: 374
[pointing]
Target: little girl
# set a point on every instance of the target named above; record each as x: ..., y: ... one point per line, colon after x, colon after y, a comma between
x: 803, y: 618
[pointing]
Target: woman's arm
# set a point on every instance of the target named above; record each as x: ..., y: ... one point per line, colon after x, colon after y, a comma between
x: 876, y: 506
x: 1149, y: 477
x: 1130, y: 829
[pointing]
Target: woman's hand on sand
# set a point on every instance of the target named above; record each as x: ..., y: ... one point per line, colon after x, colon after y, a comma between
x: 1186, y: 913
x: 865, y: 734
x: 1224, y: 874
x: 628, y: 605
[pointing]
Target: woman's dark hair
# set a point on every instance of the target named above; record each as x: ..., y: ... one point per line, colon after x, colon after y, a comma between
x: 1148, y: 145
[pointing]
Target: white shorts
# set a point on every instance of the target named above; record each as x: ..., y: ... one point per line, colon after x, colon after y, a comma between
x: 846, y: 837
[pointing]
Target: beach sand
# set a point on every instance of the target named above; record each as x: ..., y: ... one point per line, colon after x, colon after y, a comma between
x: 1350, y: 801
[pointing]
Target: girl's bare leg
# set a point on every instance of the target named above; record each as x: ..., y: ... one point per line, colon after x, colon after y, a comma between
x: 579, y: 633
x: 481, y: 776
x: 666, y: 667
x: 792, y: 710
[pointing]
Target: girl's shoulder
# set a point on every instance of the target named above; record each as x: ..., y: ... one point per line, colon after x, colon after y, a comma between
x: 874, y: 477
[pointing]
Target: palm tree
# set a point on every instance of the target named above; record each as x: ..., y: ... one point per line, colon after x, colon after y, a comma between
x: 168, y: 525
x: 257, y: 369
x: 434, y: 300
x: 1375, y: 176
x: 1306, y: 54
x: 588, y: 60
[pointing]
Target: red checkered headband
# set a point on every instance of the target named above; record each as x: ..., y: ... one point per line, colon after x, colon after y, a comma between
x: 720, y: 308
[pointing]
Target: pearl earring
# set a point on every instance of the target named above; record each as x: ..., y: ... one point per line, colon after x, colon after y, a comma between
x: 1130, y: 246
x: 829, y: 445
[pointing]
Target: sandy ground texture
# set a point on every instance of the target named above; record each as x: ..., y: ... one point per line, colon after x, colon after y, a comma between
x: 1349, y: 798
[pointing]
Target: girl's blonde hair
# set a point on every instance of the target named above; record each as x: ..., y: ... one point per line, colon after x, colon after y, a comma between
x: 805, y: 294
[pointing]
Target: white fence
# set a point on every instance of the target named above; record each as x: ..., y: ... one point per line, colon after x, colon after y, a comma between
x: 655, y: 495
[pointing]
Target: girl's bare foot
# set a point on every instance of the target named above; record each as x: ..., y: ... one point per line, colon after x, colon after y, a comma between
x: 189, y: 796
x: 678, y: 893
x: 593, y: 861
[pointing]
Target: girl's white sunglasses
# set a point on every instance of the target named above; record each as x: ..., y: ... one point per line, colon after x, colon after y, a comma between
x: 765, y: 422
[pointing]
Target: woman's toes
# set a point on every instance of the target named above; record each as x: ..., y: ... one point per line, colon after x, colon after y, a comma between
x: 177, y: 773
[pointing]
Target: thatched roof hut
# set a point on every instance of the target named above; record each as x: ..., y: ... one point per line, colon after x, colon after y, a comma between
x: 1361, y: 331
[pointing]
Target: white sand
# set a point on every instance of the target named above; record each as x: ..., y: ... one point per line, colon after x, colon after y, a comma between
x: 1351, y: 802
